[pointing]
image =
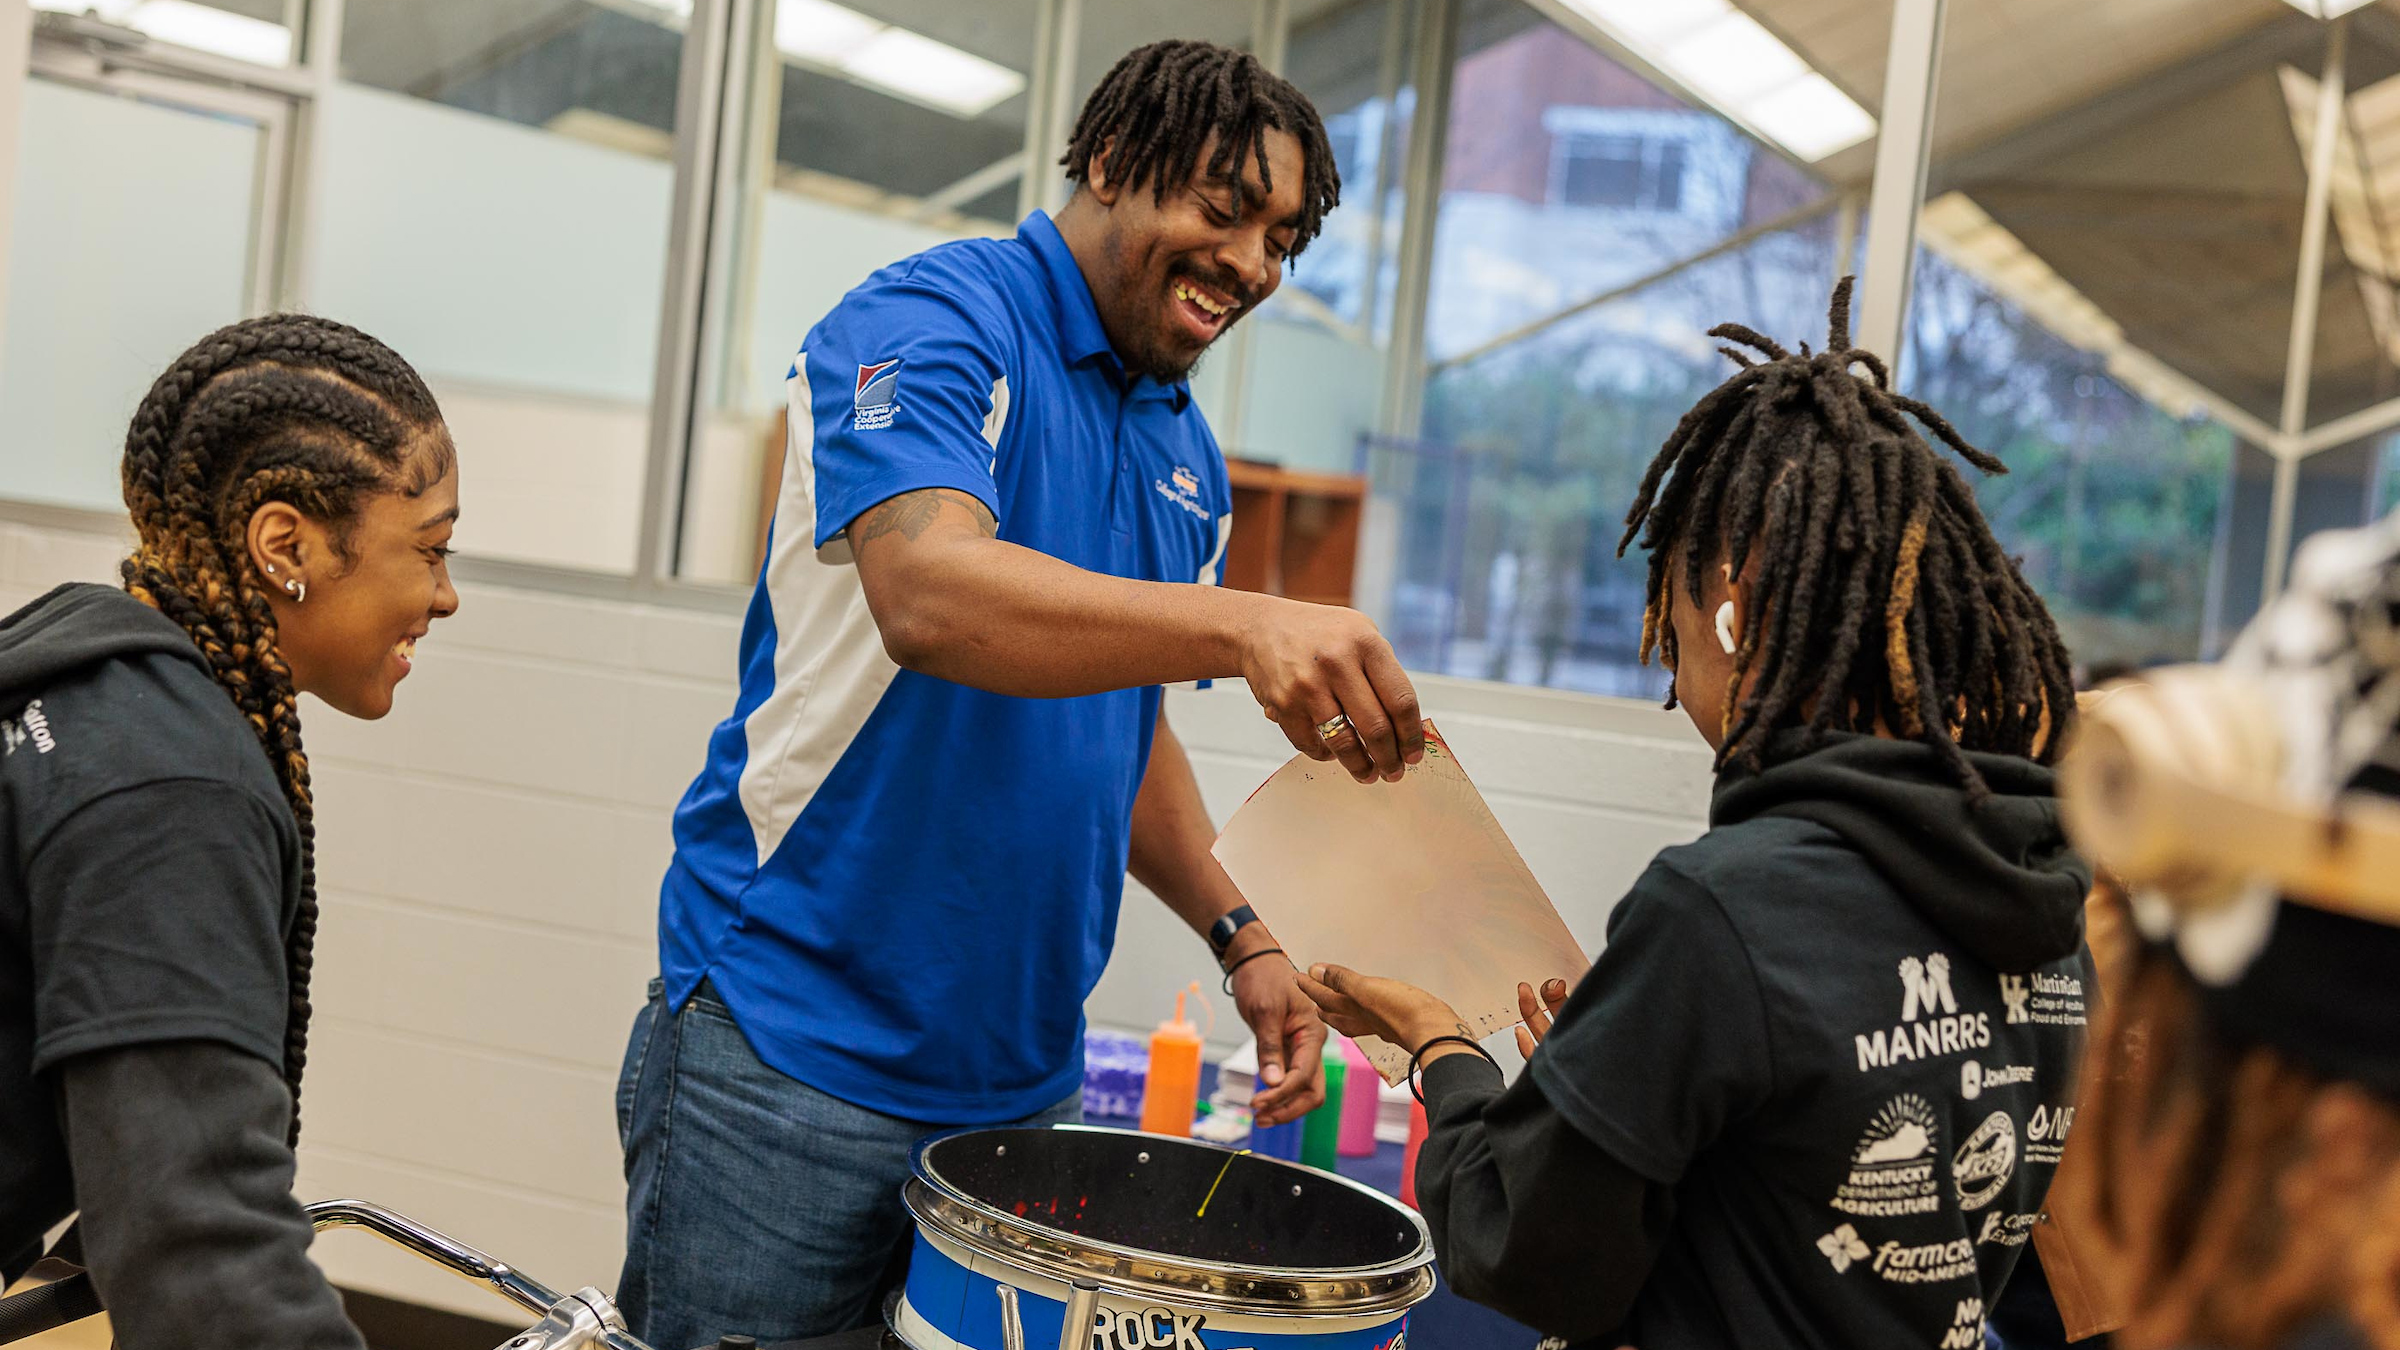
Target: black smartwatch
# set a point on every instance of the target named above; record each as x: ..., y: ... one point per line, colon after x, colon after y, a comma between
x: 1220, y: 933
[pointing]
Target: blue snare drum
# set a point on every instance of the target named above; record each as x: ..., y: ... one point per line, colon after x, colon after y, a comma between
x: 1192, y: 1247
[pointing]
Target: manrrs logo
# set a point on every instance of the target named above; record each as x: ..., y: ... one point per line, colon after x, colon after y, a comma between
x: 1930, y: 1022
x: 1925, y: 984
x: 30, y: 727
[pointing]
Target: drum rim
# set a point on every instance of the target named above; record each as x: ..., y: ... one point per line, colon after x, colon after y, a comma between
x: 1286, y: 1291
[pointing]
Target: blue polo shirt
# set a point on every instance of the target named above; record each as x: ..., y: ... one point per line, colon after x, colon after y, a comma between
x: 902, y: 887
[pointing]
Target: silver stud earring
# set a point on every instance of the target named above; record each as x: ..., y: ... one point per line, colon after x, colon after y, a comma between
x: 270, y: 569
x: 299, y: 590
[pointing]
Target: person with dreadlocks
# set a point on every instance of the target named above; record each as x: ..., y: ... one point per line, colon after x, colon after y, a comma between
x: 1808, y: 1094
x: 293, y: 488
x: 897, y: 877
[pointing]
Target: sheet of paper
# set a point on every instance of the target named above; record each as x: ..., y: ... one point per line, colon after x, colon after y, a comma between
x: 1414, y: 880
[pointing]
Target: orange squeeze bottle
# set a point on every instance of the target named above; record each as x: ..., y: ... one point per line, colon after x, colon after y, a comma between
x: 1171, y: 1093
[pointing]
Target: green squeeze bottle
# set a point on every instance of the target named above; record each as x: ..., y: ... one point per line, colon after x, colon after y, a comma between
x: 1321, y: 1135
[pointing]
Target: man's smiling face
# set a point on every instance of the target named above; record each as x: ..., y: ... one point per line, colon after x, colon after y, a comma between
x: 1177, y: 272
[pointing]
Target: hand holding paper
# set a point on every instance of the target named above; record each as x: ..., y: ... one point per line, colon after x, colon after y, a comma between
x: 1412, y: 883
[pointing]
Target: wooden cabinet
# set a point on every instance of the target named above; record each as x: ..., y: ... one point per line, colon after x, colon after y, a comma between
x: 1294, y: 533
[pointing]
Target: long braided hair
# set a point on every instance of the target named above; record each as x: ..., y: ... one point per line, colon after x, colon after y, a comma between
x: 1153, y: 112
x: 287, y: 408
x: 1885, y: 602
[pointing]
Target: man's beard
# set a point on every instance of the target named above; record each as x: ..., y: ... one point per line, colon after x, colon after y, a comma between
x: 1168, y: 367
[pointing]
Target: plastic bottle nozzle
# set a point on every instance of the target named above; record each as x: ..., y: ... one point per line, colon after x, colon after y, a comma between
x: 1171, y: 1090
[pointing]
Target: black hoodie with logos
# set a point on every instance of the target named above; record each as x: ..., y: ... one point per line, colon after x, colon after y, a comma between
x: 1812, y: 1092
x: 149, y: 873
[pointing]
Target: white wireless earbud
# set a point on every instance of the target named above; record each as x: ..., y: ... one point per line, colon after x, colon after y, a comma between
x: 1725, y: 627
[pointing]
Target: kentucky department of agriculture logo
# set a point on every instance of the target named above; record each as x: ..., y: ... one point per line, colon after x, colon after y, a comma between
x: 1892, y: 1169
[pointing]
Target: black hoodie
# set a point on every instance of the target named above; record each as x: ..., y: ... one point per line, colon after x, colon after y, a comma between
x: 148, y: 878
x: 1812, y: 1092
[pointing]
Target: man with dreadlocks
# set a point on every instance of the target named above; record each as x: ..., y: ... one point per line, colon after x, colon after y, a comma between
x: 897, y: 877
x: 293, y: 489
x: 1814, y: 1089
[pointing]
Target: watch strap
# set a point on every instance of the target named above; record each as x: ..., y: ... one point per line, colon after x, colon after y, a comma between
x: 1220, y: 933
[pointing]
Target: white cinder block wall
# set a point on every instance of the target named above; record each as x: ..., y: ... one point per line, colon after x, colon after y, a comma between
x: 489, y: 861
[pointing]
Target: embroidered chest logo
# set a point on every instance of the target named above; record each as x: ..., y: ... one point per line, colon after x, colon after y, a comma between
x: 1983, y: 1164
x: 1892, y: 1169
x: 1182, y: 487
x: 877, y: 399
x: 30, y: 727
x: 1930, y: 1023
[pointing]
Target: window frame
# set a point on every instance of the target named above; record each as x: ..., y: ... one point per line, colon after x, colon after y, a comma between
x: 724, y: 40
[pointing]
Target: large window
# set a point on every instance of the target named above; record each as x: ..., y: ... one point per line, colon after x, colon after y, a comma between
x: 853, y: 162
x: 1598, y: 216
x: 850, y: 160
x: 1497, y: 328
x: 496, y: 178
x: 145, y: 218
x: 2112, y: 502
x: 1300, y: 382
x: 1628, y: 169
x: 2104, y: 299
x: 261, y: 32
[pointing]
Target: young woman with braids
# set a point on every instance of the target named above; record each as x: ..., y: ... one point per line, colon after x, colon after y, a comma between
x: 1805, y: 1096
x: 293, y: 489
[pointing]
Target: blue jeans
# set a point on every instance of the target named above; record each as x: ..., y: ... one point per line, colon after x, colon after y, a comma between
x: 755, y: 1203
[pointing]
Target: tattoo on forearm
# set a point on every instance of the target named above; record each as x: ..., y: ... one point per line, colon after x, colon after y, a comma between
x: 912, y: 513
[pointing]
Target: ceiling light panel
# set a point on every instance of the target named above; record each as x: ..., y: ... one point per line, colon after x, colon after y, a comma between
x: 1732, y: 61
